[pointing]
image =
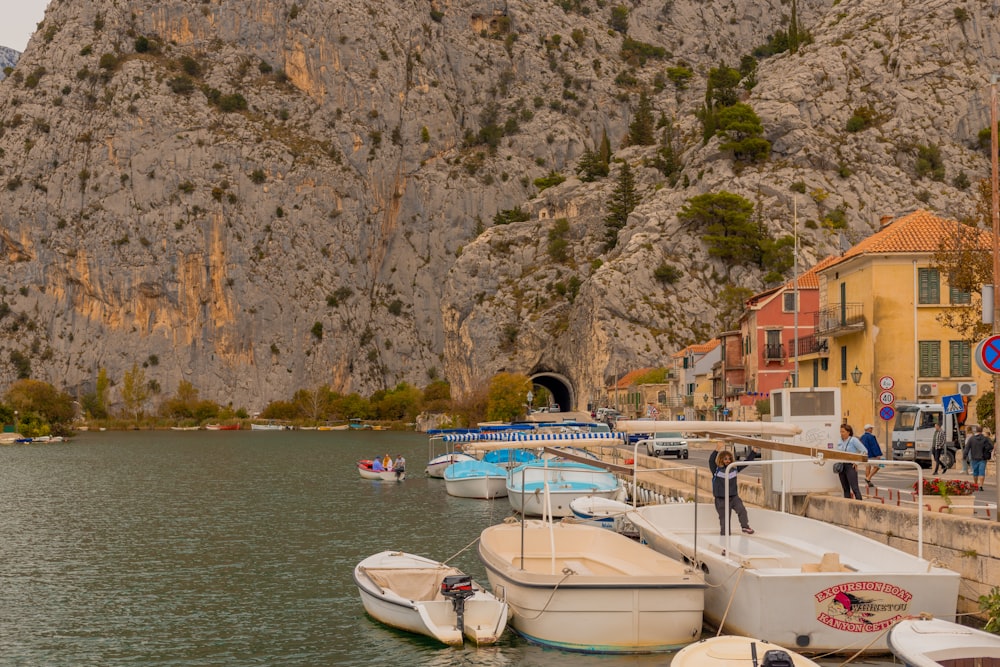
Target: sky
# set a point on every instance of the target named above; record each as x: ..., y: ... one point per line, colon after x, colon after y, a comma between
x: 18, y: 21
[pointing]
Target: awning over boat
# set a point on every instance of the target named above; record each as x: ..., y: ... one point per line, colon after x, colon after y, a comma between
x: 529, y: 437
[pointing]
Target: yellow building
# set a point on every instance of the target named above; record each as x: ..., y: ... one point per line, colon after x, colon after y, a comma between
x: 879, y: 307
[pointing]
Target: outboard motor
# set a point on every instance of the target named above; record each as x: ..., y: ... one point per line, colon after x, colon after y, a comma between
x: 776, y: 658
x: 458, y: 589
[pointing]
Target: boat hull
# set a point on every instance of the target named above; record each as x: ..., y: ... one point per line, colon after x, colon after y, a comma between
x: 931, y: 642
x: 732, y: 651
x: 596, y: 592
x: 800, y: 583
x: 475, y: 479
x: 538, y: 489
x: 437, y: 465
x: 404, y: 591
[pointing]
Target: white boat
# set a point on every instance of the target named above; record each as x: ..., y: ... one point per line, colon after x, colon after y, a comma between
x: 546, y: 488
x: 267, y: 427
x: 733, y: 651
x: 509, y: 458
x: 797, y: 582
x: 366, y: 472
x: 437, y: 465
x: 933, y: 642
x: 583, y: 588
x: 603, y: 512
x: 475, y: 479
x: 420, y: 595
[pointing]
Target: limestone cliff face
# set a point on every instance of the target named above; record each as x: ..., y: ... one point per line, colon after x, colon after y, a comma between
x: 258, y: 196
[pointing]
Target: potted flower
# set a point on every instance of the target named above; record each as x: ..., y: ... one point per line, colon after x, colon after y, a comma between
x: 938, y: 493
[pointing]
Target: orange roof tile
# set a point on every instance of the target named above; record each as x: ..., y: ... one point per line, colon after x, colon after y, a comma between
x: 917, y: 232
x: 629, y: 378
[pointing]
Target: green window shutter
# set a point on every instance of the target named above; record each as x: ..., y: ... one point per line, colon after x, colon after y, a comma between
x: 929, y: 286
x: 957, y: 296
x: 930, y: 358
x: 960, y: 361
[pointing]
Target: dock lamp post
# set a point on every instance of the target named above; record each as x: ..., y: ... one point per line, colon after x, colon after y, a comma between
x: 856, y: 378
x: 15, y: 422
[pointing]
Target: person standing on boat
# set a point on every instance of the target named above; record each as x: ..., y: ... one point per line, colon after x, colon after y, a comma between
x: 387, y: 461
x: 399, y: 465
x: 724, y: 483
x: 848, y: 471
x: 870, y: 442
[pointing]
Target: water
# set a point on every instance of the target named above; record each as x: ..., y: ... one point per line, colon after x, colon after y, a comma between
x: 227, y: 548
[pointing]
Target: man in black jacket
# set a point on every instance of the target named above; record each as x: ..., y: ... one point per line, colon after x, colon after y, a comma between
x: 980, y: 450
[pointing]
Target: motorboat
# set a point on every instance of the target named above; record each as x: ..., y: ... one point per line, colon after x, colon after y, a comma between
x: 734, y: 651
x: 475, y: 479
x: 603, y: 512
x: 424, y: 596
x: 546, y: 488
x: 367, y: 471
x: 583, y: 588
x: 270, y: 426
x: 437, y: 465
x: 510, y: 457
x: 800, y: 583
x: 934, y: 642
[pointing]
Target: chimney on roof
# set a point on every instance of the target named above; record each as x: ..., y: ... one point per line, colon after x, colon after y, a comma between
x: 884, y: 220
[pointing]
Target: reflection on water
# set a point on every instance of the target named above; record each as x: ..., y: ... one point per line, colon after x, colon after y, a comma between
x: 227, y: 548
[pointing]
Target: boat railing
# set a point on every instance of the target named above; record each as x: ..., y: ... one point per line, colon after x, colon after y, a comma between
x: 820, y: 460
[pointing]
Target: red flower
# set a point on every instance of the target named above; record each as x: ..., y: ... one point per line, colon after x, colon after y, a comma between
x: 947, y: 487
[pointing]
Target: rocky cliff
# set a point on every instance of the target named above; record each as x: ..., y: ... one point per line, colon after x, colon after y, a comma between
x: 260, y: 195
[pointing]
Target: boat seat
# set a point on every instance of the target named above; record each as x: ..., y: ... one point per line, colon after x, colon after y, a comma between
x: 422, y: 584
x: 830, y: 562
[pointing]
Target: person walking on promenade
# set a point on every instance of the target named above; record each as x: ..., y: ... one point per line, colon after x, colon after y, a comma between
x: 724, y: 484
x: 870, y: 442
x: 937, y: 449
x: 966, y: 462
x: 848, y: 471
x: 980, y: 451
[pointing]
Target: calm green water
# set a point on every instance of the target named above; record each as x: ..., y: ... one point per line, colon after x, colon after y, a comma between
x: 226, y: 548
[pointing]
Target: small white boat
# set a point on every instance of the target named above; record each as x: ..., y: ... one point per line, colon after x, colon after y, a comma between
x: 546, y: 488
x: 437, y: 465
x: 934, y: 642
x: 583, y: 588
x: 803, y: 584
x: 733, y: 651
x: 367, y: 472
x: 475, y: 479
x: 429, y: 598
x: 267, y: 427
x: 603, y: 512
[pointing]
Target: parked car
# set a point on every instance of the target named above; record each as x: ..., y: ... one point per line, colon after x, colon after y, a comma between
x: 666, y: 444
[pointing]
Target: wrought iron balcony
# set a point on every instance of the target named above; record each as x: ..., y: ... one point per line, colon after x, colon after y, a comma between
x: 774, y: 351
x: 812, y: 345
x: 840, y: 320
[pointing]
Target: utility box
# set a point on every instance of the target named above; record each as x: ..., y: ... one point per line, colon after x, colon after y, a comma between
x: 816, y: 410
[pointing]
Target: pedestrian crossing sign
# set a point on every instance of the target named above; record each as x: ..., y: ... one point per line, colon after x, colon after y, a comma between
x: 953, y: 404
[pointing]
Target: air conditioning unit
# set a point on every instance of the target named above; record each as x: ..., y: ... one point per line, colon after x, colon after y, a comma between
x: 968, y: 388
x: 925, y: 389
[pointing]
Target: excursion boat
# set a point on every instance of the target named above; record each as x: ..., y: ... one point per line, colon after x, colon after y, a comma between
x: 803, y: 584
x: 546, y: 488
x: 935, y: 642
x: 424, y: 596
x: 367, y: 472
x: 583, y: 588
x: 733, y: 651
x: 475, y: 479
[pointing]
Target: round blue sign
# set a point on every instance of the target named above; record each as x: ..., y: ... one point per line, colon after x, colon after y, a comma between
x: 887, y: 413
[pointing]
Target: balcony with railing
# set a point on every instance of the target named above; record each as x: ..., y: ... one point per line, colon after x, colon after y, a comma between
x: 840, y: 319
x: 811, y: 344
x: 774, y: 352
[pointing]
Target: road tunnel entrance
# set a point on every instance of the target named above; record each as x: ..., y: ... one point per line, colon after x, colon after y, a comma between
x: 560, y: 388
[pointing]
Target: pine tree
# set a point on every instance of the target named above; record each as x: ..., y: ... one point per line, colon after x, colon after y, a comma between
x: 640, y: 130
x: 623, y: 201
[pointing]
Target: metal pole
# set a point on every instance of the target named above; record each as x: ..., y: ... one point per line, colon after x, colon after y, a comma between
x: 795, y: 274
x: 995, y: 211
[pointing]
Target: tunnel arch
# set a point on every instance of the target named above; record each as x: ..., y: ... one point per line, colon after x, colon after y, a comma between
x: 560, y: 386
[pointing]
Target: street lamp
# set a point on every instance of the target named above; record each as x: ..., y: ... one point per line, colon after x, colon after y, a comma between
x: 856, y: 375
x: 787, y: 383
